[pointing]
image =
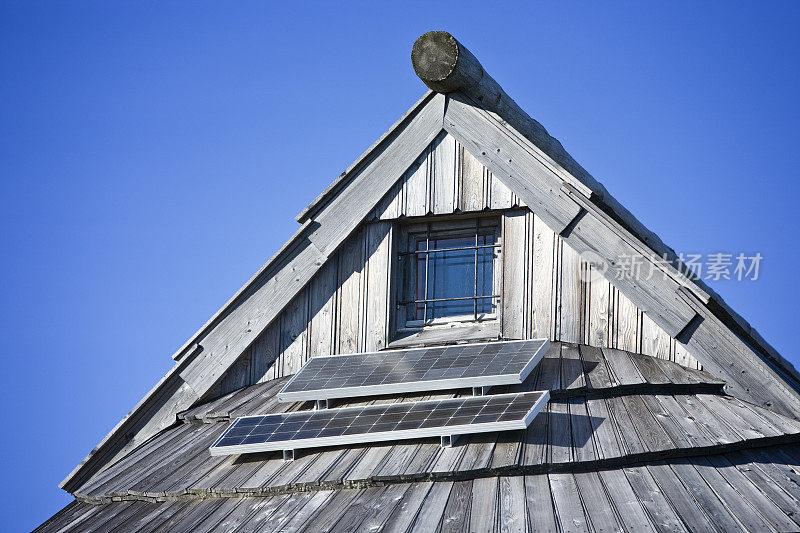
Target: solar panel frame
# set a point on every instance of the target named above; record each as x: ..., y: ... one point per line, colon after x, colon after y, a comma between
x: 411, y: 385
x: 349, y: 433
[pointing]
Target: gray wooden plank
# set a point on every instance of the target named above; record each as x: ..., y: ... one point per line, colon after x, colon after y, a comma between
x: 572, y: 376
x: 455, y: 516
x: 500, y: 196
x: 310, y: 508
x: 431, y: 514
x: 681, y: 429
x: 596, y: 504
x: 724, y: 477
x: 322, y: 310
x: 69, y: 518
x: 567, y: 503
x: 781, y: 423
x: 630, y: 511
x: 444, y: 184
x: 507, y: 449
x: 293, y: 344
x: 416, y: 186
x: 704, y: 494
x: 718, y: 431
x: 104, y: 513
x: 127, y: 517
x: 625, y: 426
x: 571, y: 297
x: 594, y: 366
x: 722, y: 410
x: 764, y: 484
x: 782, y: 468
x: 606, y: 438
x: 583, y: 447
x: 543, y: 273
x: 484, y: 511
x: 351, y: 268
x: 534, y: 441
x: 378, y: 274
x: 201, y: 515
x: 622, y: 367
x: 512, y: 506
x: 541, y: 513
x: 681, y: 499
x: 652, y: 498
x: 649, y: 369
x: 164, y: 513
x: 332, y: 511
x: 650, y: 432
x: 514, y: 274
x: 761, y: 423
x: 559, y: 438
x: 549, y: 377
x: 472, y: 178
x: 408, y: 508
x: 369, y: 511
x: 268, y: 519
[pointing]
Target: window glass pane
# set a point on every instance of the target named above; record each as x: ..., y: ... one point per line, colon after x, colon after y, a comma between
x: 419, y: 310
x: 452, y: 274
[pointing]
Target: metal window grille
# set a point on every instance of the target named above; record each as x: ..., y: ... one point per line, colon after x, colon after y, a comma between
x: 478, y: 234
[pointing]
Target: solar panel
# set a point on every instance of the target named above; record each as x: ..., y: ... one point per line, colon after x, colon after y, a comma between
x: 355, y: 425
x: 414, y: 370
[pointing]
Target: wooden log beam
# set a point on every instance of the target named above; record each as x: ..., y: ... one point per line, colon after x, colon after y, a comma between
x: 445, y: 66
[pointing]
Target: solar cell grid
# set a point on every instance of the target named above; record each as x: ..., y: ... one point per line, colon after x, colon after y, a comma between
x: 372, y: 423
x: 414, y: 370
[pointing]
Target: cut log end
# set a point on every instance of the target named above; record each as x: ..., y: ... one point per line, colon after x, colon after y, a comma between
x: 434, y: 56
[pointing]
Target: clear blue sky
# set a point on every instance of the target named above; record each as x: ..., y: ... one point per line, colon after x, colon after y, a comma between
x: 154, y: 155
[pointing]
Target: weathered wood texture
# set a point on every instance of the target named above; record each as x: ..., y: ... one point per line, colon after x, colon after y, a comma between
x: 752, y: 490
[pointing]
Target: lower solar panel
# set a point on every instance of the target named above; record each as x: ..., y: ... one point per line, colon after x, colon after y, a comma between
x: 355, y: 425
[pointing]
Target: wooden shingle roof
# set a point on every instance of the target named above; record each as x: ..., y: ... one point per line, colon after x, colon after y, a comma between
x: 627, y: 441
x: 753, y: 490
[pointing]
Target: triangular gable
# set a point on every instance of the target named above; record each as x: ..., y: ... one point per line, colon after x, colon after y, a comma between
x: 346, y: 307
x: 577, y: 209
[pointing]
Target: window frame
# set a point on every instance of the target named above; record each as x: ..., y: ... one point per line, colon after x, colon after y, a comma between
x: 413, y: 232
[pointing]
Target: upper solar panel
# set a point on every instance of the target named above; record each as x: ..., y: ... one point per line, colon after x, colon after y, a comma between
x: 373, y: 423
x: 415, y: 370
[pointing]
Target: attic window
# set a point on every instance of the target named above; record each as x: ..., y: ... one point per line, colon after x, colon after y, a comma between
x: 450, y: 271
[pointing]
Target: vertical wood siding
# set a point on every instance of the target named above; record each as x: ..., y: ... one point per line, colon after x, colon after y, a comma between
x: 548, y: 291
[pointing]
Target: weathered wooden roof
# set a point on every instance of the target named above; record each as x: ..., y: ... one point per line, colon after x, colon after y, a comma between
x: 753, y: 490
x: 627, y: 441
